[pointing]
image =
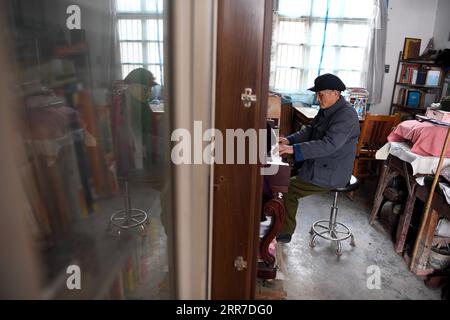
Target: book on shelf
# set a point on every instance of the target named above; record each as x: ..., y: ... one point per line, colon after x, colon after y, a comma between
x: 427, y: 98
x: 433, y: 77
x: 413, y: 98
x: 446, y: 89
x: 419, y: 75
x: 409, y: 73
x: 401, y: 96
x: 422, y: 75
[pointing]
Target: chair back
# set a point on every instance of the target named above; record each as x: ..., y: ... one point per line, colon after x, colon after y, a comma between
x: 374, y: 132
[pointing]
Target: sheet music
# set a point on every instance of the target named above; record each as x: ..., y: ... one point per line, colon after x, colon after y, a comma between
x: 275, y: 158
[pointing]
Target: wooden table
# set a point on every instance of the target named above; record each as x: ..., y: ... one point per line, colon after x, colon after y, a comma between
x: 439, y: 209
x: 396, y: 167
x: 304, y: 115
x: 392, y: 168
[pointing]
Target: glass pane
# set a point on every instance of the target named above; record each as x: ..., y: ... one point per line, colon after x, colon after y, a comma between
x: 335, y: 9
x: 320, y: 8
x: 312, y: 75
x: 317, y: 33
x: 155, y: 31
x: 333, y: 36
x: 127, y: 68
x: 290, y: 56
x: 131, y: 52
x: 328, y: 59
x: 95, y: 162
x: 158, y: 71
x: 350, y: 78
x: 154, y: 6
x: 351, y: 59
x: 291, y: 32
x: 128, y: 5
x: 130, y: 29
x: 358, y: 9
x: 355, y: 35
x: 294, y: 8
x: 155, y: 53
x: 287, y: 79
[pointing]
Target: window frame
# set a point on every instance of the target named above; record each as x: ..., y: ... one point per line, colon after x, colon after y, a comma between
x: 305, y: 48
x: 143, y: 16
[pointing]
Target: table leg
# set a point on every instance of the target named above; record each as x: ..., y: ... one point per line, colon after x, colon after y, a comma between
x: 405, y: 220
x: 423, y: 245
x: 386, y: 177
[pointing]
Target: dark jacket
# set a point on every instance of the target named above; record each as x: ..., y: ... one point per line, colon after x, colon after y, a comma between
x: 327, y: 147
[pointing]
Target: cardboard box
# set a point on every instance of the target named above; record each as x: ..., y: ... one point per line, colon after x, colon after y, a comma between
x: 440, y: 115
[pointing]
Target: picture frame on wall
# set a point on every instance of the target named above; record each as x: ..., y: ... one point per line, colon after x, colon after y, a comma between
x: 411, y: 48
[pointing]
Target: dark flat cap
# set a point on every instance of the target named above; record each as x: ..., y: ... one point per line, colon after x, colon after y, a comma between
x: 141, y: 76
x: 328, y: 82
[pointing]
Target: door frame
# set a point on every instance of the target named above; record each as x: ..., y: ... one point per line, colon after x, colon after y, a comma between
x: 191, y: 60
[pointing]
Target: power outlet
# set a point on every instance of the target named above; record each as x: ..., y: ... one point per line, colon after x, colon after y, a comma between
x: 387, y: 68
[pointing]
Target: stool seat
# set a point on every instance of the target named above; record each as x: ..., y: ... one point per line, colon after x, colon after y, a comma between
x: 351, y: 186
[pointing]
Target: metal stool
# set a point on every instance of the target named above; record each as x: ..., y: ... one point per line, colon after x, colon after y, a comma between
x: 331, y: 229
x: 129, y: 218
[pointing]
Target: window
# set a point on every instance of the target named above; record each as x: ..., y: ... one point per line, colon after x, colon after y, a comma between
x: 140, y: 26
x: 307, y: 41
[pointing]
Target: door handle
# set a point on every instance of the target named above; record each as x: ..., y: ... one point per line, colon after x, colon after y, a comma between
x: 248, y: 97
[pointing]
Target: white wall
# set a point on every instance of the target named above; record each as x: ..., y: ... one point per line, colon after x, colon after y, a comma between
x: 442, y: 25
x: 406, y: 18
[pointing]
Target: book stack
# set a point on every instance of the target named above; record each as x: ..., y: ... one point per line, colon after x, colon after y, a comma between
x: 409, y: 73
x: 412, y: 73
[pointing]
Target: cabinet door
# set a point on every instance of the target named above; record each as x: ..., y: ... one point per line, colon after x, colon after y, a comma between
x: 243, y: 61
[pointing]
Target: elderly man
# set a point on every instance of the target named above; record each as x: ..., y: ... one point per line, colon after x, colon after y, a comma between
x: 326, y: 149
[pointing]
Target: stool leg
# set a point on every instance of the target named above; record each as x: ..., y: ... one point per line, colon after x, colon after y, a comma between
x: 333, y: 216
x: 339, y: 249
x: 352, y: 241
x: 312, y: 244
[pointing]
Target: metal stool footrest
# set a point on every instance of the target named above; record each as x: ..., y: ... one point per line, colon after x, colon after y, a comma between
x: 129, y: 220
x: 339, y: 232
x: 333, y: 235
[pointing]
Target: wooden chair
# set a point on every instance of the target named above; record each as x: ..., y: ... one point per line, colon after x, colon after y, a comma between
x: 374, y: 132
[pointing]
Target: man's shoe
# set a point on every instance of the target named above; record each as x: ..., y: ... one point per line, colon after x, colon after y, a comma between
x: 284, y: 238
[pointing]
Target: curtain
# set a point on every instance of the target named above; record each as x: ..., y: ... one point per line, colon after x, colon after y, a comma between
x: 376, y: 52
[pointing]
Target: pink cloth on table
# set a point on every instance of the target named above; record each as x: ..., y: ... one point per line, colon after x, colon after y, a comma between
x: 427, y: 139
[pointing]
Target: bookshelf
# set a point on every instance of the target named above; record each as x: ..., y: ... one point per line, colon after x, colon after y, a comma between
x: 418, y: 83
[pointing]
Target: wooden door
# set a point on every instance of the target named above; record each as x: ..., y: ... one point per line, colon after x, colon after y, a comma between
x: 243, y: 61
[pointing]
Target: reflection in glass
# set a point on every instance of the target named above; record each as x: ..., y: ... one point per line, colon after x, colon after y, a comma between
x: 94, y: 141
